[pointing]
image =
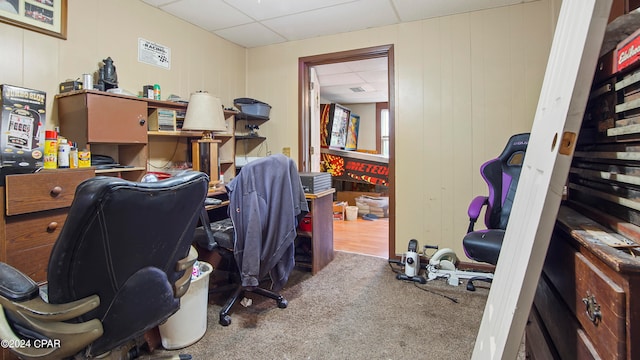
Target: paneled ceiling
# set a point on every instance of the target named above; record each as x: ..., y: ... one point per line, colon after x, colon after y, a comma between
x: 253, y: 23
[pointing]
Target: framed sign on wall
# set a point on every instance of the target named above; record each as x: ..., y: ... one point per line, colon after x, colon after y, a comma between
x: 48, y: 17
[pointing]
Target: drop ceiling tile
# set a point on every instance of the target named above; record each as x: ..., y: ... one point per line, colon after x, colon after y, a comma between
x: 329, y: 69
x: 342, y: 79
x: 411, y: 10
x: 208, y: 14
x: 368, y: 64
x: 157, y: 3
x: 373, y: 76
x: 268, y: 9
x: 336, y: 19
x: 250, y: 35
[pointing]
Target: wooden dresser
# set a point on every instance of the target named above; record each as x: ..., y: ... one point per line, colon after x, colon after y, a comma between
x: 587, y: 302
x: 35, y: 210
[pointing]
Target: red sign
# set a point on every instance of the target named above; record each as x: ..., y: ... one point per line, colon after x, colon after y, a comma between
x: 628, y: 51
x: 347, y: 168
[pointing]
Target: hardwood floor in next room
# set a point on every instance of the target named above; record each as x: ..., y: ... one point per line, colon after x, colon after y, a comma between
x: 362, y: 236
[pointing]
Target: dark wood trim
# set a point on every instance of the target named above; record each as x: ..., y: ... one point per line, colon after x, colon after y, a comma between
x: 304, y: 64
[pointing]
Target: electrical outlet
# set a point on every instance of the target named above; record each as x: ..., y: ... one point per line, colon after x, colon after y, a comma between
x: 286, y: 151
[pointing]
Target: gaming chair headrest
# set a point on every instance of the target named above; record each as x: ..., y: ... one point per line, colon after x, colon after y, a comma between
x: 513, y: 153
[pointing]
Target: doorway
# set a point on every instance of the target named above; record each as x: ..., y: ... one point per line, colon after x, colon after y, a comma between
x: 305, y: 103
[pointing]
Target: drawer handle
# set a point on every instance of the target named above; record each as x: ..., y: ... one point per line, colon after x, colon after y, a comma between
x: 592, y: 309
x: 52, y: 226
x: 56, y: 191
x: 142, y: 121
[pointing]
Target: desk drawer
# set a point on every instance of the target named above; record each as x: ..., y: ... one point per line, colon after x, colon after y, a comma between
x: 32, y: 262
x: 33, y: 230
x: 607, y: 329
x: 42, y: 191
x: 30, y: 238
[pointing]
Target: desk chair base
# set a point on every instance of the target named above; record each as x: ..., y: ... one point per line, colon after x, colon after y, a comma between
x: 239, y: 292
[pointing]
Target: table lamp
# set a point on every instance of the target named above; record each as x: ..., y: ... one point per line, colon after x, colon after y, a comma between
x: 205, y: 113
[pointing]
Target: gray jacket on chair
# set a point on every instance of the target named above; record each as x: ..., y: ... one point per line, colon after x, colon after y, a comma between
x: 266, y: 202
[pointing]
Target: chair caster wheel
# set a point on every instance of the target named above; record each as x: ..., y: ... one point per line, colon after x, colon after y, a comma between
x: 470, y: 286
x: 282, y: 303
x: 225, y: 320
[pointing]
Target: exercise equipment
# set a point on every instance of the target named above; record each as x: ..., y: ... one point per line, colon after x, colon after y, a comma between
x: 443, y: 264
x: 411, y: 262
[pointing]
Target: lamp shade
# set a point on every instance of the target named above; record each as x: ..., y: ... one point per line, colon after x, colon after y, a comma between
x: 204, y: 113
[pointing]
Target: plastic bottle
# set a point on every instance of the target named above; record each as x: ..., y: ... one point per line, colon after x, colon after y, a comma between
x: 63, y: 153
x: 50, y: 149
x: 156, y: 91
x: 73, y: 157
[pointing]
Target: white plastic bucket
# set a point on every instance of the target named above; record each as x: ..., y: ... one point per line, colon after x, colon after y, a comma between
x: 352, y: 213
x: 189, y: 323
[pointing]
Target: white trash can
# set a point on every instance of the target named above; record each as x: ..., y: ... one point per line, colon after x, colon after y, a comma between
x: 189, y: 323
x: 352, y: 213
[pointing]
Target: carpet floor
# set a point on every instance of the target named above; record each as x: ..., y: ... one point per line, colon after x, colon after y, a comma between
x: 354, y: 308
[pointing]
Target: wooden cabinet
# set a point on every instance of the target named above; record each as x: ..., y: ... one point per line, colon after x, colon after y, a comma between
x: 314, y: 249
x: 118, y: 126
x: 107, y: 124
x: 35, y: 210
x: 585, y: 305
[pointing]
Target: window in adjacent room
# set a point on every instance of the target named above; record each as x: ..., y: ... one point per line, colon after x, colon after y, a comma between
x: 382, y: 128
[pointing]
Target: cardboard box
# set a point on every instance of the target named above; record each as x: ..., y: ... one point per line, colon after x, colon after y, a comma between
x: 339, y: 207
x: 22, y: 129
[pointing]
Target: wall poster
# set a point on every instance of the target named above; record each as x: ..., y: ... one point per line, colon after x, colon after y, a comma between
x: 48, y: 17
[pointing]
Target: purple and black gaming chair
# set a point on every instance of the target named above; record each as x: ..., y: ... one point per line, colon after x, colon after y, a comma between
x: 501, y: 175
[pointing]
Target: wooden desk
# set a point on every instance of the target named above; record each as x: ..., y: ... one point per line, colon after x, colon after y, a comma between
x: 35, y: 209
x: 321, y: 235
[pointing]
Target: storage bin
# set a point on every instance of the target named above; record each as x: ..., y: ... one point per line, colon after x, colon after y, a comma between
x: 352, y: 213
x: 189, y: 323
x: 253, y: 107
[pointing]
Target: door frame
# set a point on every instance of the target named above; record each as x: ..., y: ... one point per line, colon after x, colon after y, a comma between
x: 304, y: 64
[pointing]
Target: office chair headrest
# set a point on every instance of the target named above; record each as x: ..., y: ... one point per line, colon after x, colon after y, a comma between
x: 513, y: 153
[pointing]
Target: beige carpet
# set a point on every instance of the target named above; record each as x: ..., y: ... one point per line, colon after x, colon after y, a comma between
x: 352, y: 309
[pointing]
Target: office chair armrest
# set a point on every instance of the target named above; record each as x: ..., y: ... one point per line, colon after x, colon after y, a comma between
x: 15, y: 285
x: 475, y: 207
x: 61, y: 339
x: 19, y: 296
x: 19, y: 293
x: 182, y: 284
x: 39, y: 309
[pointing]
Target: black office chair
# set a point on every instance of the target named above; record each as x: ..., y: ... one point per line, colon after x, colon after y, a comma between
x: 266, y: 205
x: 501, y: 175
x: 118, y: 268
